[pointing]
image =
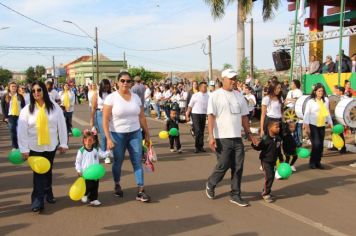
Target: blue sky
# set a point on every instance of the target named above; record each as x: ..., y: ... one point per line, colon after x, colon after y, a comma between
x: 138, y: 24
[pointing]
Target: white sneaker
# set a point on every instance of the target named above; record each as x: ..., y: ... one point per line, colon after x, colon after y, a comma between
x: 172, y: 150
x: 261, y: 168
x: 293, y: 168
x: 353, y: 164
x: 180, y: 151
x: 84, y: 199
x: 95, y: 203
x: 107, y: 160
x: 101, y: 153
x: 277, y: 176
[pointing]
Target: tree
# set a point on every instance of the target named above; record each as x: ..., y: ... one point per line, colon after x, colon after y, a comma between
x: 31, y: 75
x: 145, y: 75
x: 244, y: 8
x: 39, y: 71
x: 244, y: 71
x: 227, y: 66
x: 5, y: 76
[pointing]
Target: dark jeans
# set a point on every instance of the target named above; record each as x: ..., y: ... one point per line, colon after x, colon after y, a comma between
x: 176, y: 140
x: 230, y: 155
x: 92, y: 187
x: 13, y: 130
x: 68, y: 117
x: 199, y: 121
x: 42, y: 183
x: 294, y: 159
x: 317, y: 135
x: 268, y: 170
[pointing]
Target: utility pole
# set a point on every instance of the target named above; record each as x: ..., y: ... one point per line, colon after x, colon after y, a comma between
x: 251, y: 49
x: 97, y: 55
x: 125, y: 65
x: 210, y: 60
x: 54, y: 72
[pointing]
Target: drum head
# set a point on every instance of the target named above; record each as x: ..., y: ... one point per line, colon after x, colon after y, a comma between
x: 350, y: 114
x: 333, y: 100
x: 300, y: 105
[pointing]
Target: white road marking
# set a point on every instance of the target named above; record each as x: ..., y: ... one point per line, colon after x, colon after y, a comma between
x: 304, y: 220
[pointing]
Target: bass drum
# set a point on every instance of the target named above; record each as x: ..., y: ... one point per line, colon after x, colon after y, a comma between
x: 345, y: 112
x: 300, y: 105
x: 333, y: 101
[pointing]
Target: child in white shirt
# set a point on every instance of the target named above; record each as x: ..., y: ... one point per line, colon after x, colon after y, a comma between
x: 251, y: 101
x: 88, y: 155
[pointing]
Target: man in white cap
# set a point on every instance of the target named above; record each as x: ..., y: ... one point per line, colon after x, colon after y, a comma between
x: 227, y: 113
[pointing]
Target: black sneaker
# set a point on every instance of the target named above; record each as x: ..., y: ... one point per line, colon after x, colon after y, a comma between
x: 239, y: 201
x: 118, y: 191
x: 210, y: 191
x: 143, y: 197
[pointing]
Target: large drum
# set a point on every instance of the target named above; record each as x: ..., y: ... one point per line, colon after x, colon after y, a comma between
x: 333, y: 101
x: 300, y: 105
x: 345, y: 112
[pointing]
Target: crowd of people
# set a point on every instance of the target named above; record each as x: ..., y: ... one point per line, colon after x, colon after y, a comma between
x: 346, y: 64
x: 118, y: 111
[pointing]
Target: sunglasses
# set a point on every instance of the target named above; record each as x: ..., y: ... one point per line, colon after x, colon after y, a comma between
x: 125, y: 81
x: 36, y: 90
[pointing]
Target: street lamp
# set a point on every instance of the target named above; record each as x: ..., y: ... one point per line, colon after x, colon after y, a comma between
x: 96, y: 46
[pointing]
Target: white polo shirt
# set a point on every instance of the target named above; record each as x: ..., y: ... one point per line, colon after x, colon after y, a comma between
x: 274, y: 107
x: 228, y: 107
x: 199, y: 103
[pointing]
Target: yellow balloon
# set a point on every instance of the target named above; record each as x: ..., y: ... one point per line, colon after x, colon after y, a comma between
x: 163, y: 135
x: 77, y: 190
x: 337, y: 141
x: 38, y: 164
x: 143, y: 142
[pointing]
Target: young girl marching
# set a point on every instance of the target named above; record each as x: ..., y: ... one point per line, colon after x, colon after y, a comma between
x: 88, y: 155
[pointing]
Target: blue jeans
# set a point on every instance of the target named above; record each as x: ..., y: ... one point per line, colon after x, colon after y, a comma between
x: 157, y: 109
x: 131, y: 141
x: 98, y: 122
x: 68, y: 117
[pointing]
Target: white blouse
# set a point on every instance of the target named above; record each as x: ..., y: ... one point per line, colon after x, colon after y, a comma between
x: 312, y: 111
x: 274, y: 107
x: 71, y: 100
x: 27, y: 131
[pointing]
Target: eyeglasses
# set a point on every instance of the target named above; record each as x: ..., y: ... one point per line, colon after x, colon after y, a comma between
x: 36, y: 90
x: 125, y: 81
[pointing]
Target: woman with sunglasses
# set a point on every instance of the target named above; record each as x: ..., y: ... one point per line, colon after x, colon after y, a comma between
x: 43, y: 128
x: 67, y: 103
x: 123, y: 118
x: 12, y: 103
x: 96, y: 116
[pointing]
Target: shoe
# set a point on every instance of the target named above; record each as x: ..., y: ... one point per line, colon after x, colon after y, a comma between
x: 353, y: 164
x: 95, y: 203
x: 293, y: 168
x: 172, y: 150
x: 102, y: 154
x: 70, y: 134
x: 268, y: 198
x: 312, y: 166
x: 210, y: 191
x: 107, y: 160
x: 84, y: 199
x: 143, y: 197
x: 118, y: 191
x: 51, y: 200
x: 37, y: 209
x: 239, y: 201
x: 180, y: 151
x: 202, y: 150
x: 320, y: 166
x: 277, y: 176
x: 196, y: 150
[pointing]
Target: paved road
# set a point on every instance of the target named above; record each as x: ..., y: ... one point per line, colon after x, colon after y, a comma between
x: 311, y: 202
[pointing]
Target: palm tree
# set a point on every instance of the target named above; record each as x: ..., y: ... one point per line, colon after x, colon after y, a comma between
x: 244, y: 7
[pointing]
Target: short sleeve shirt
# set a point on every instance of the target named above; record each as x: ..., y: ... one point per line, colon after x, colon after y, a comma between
x: 199, y: 103
x: 125, y: 114
x: 228, y: 107
x: 274, y: 109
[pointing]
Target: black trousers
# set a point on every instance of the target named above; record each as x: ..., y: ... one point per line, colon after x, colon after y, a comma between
x: 317, y: 135
x: 230, y: 154
x: 268, y: 170
x: 92, y: 187
x: 293, y: 157
x: 176, y: 140
x: 13, y: 120
x: 68, y: 117
x: 42, y: 183
x: 199, y: 121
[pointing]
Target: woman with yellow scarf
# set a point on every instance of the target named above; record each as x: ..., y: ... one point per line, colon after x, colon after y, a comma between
x: 11, y: 104
x: 67, y: 103
x: 316, y: 116
x: 42, y: 128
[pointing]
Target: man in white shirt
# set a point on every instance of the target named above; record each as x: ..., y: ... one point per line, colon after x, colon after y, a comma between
x: 227, y: 112
x: 147, y: 104
x: 53, y: 94
x: 198, y: 106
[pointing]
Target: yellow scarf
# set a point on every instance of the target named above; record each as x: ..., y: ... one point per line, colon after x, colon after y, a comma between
x: 43, y: 137
x: 323, y: 113
x: 14, y: 106
x: 66, y: 101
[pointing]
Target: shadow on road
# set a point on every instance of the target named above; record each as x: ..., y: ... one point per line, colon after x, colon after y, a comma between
x: 5, y: 230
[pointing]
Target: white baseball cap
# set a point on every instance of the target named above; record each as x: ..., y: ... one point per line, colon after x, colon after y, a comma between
x: 228, y: 73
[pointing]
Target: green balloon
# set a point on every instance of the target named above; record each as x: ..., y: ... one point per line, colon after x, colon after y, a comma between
x: 174, y: 132
x: 284, y: 170
x: 15, y: 157
x: 338, y: 129
x: 144, y: 148
x: 303, y: 152
x: 94, y: 172
x: 76, y: 132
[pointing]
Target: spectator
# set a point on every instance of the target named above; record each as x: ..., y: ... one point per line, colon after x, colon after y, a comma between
x: 156, y: 102
x: 348, y: 90
x: 345, y: 64
x: 67, y: 103
x: 328, y: 66
x: 139, y: 89
x: 251, y: 101
x: 353, y: 63
x: 285, y: 88
x: 147, y: 104
x: 314, y: 65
